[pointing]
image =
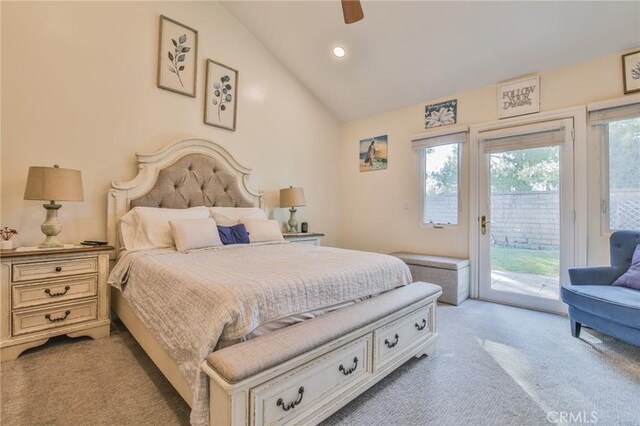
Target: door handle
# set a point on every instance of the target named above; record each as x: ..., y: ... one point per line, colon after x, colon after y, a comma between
x: 483, y: 224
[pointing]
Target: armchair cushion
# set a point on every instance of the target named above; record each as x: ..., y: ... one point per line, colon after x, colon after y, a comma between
x: 631, y: 278
x: 598, y: 275
x: 617, y: 304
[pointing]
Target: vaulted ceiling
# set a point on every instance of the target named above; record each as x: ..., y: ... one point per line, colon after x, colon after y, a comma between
x: 404, y: 53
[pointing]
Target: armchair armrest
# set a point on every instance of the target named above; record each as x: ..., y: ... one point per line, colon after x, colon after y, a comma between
x: 599, y: 275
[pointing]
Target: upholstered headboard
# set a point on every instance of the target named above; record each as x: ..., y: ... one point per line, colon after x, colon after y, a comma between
x: 194, y: 180
x: 184, y: 174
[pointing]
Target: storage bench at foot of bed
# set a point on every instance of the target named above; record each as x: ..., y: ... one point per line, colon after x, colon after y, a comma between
x: 306, y: 372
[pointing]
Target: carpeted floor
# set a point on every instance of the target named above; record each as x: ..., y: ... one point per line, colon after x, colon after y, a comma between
x: 495, y: 365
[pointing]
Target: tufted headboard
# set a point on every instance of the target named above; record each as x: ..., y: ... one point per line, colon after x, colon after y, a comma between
x: 184, y: 174
x: 194, y: 180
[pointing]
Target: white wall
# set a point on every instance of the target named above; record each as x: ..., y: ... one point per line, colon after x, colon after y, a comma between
x: 374, y: 214
x: 79, y: 89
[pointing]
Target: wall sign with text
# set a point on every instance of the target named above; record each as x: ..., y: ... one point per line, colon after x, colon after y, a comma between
x: 519, y: 97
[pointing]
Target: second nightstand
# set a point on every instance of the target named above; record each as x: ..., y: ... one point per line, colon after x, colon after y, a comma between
x: 309, y: 238
x: 46, y: 293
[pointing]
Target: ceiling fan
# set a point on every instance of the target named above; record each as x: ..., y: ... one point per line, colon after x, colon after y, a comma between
x: 352, y: 11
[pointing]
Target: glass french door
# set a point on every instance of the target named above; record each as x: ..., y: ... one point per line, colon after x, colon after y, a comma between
x: 526, y: 214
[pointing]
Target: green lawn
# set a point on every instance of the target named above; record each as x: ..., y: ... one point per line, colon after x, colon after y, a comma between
x: 539, y: 262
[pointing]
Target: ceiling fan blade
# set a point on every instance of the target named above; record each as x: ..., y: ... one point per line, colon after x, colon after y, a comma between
x: 352, y: 11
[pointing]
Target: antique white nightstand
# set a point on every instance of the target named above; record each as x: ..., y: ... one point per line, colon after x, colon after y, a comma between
x: 309, y: 238
x: 47, y: 293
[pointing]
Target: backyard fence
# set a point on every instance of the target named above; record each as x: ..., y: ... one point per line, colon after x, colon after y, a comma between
x: 530, y: 220
x: 624, y: 207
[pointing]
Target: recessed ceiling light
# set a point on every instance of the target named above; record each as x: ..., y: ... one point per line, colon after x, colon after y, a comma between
x: 339, y: 52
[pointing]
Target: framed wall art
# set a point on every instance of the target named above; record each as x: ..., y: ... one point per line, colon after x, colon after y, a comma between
x: 374, y: 153
x: 631, y: 72
x: 221, y: 98
x: 177, y: 57
x: 519, y: 96
x: 441, y: 114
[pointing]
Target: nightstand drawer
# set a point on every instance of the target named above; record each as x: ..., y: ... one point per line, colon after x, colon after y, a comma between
x: 33, y: 320
x: 55, y: 269
x: 47, y: 292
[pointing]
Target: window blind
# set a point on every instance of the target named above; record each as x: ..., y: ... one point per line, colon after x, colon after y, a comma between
x: 599, y: 117
x: 531, y: 140
x: 530, y: 136
x: 437, y: 137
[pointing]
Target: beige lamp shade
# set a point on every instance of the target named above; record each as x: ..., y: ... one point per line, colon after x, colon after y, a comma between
x: 54, y: 184
x: 292, y: 197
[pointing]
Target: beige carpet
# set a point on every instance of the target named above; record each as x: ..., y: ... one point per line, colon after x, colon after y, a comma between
x: 88, y: 382
x: 495, y: 365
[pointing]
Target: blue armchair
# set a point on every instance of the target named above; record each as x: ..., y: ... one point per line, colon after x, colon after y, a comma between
x: 594, y: 302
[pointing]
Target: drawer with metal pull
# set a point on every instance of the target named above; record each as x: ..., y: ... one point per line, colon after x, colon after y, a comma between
x: 61, y: 315
x: 391, y: 339
x: 281, y: 399
x: 47, y: 292
x: 54, y: 269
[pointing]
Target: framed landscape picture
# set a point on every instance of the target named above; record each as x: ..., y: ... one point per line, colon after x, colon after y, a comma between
x: 441, y: 114
x: 221, y: 98
x: 373, y: 153
x: 519, y: 97
x: 631, y: 71
x: 177, y: 57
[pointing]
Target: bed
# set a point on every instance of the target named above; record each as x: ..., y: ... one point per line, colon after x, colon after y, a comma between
x: 265, y: 333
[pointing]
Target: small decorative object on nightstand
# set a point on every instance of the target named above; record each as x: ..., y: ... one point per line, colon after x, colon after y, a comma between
x: 309, y: 238
x: 49, y: 184
x: 292, y: 197
x: 5, y: 237
x: 47, y: 293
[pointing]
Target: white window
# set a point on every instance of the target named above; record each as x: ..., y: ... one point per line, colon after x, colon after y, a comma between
x: 439, y: 174
x: 619, y: 132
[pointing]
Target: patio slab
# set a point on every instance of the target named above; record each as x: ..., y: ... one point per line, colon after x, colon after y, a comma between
x: 529, y: 284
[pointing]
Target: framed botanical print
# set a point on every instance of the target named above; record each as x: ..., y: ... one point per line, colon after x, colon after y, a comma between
x: 177, y: 57
x: 631, y: 72
x: 221, y: 98
x: 441, y: 114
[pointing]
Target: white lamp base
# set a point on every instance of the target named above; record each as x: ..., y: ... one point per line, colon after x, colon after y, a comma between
x: 293, y: 222
x: 51, y: 227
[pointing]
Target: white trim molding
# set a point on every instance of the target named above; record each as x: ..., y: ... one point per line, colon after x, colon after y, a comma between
x: 440, y: 131
x: 579, y: 116
x: 614, y: 103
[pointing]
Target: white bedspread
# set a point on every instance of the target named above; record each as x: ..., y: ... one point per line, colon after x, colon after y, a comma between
x: 191, y: 301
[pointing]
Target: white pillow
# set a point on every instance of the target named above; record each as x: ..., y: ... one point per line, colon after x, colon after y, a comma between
x: 148, y: 227
x: 128, y: 225
x: 229, y: 216
x: 192, y: 234
x: 261, y: 231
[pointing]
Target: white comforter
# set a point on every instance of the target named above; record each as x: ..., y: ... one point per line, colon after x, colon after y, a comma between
x: 191, y: 301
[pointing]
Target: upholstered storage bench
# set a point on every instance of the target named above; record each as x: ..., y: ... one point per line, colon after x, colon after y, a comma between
x: 309, y: 370
x: 450, y: 273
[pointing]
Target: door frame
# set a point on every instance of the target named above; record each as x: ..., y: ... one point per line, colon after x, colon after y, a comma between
x: 579, y: 116
x: 566, y: 212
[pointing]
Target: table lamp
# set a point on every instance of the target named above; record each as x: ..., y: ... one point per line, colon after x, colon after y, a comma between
x: 292, y: 197
x: 53, y: 183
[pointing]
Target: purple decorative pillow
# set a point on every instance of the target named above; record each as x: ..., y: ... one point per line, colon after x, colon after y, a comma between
x: 631, y: 278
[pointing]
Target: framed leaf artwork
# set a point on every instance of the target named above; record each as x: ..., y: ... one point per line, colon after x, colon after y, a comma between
x: 631, y: 72
x: 441, y: 114
x: 177, y: 57
x: 221, y: 98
